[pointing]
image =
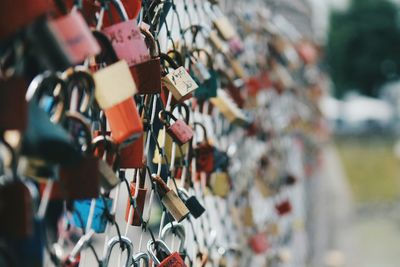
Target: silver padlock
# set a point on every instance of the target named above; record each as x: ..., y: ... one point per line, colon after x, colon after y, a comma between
x: 178, y: 230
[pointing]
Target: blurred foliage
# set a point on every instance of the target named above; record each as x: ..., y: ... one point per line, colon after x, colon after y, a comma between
x: 371, y: 167
x: 363, y: 48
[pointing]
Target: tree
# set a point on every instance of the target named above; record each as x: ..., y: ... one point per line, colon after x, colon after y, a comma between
x: 363, y: 49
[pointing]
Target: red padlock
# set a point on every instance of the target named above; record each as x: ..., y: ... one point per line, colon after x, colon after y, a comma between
x: 13, y: 106
x: 170, y: 260
x: 131, y: 156
x: 15, y: 14
x: 283, y: 207
x: 259, y: 243
x: 204, y: 153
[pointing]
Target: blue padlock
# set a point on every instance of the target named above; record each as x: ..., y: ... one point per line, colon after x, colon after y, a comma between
x: 81, y: 213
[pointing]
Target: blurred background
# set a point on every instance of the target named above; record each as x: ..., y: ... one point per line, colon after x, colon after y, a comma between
x: 360, y: 188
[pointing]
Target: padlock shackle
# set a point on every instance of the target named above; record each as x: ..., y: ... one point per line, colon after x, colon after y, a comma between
x: 209, y: 63
x: 108, y: 141
x: 110, y: 245
x: 151, y: 42
x: 82, y: 79
x: 187, y: 111
x: 164, y: 57
x: 141, y: 256
x: 37, y: 86
x: 175, y: 229
x: 158, y: 244
x: 203, y: 128
x: 14, y: 160
x: 107, y: 49
x: 80, y: 119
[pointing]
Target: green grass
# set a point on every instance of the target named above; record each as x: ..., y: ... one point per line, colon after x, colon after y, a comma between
x: 371, y: 167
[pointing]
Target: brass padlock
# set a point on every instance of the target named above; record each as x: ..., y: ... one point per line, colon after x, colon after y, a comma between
x: 229, y: 109
x: 220, y: 184
x: 170, y: 200
x: 178, y: 81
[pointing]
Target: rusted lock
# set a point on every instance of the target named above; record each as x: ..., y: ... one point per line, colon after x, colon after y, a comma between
x: 81, y: 180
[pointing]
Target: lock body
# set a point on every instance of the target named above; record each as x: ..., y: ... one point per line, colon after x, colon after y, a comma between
x: 16, y: 210
x: 147, y: 76
x: 75, y: 37
x: 179, y: 83
x: 179, y: 153
x: 204, y: 157
x: 175, y: 206
x: 82, y: 180
x: 131, y: 156
x: 195, y: 207
x: 180, y: 132
x: 284, y: 207
x: 173, y: 260
x: 220, y: 184
x: 13, y: 106
x: 208, y: 88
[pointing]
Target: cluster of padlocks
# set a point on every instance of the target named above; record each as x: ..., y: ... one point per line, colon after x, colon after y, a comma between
x: 192, y: 129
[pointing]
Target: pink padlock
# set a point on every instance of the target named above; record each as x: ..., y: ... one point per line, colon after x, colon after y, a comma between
x: 259, y: 243
x: 75, y: 37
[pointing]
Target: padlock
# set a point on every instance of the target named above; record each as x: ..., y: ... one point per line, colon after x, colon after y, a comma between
x: 207, y: 88
x: 147, y: 74
x: 108, y: 178
x: 204, y: 153
x: 60, y: 47
x: 216, y: 41
x: 170, y: 200
x: 16, y: 205
x: 13, y: 107
x: 192, y: 203
x: 178, y: 81
x: 141, y: 257
x: 248, y: 217
x: 10, y: 23
x: 179, y: 130
x: 125, y: 243
x: 114, y: 92
x: 220, y: 184
x: 259, y: 243
x: 178, y: 230
x: 283, y: 207
x: 179, y: 153
x: 199, y: 70
x: 81, y: 180
x: 225, y: 28
x: 137, y: 212
x: 75, y: 36
x: 16, y: 210
x: 131, y: 156
x: 171, y: 260
x: 99, y: 221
